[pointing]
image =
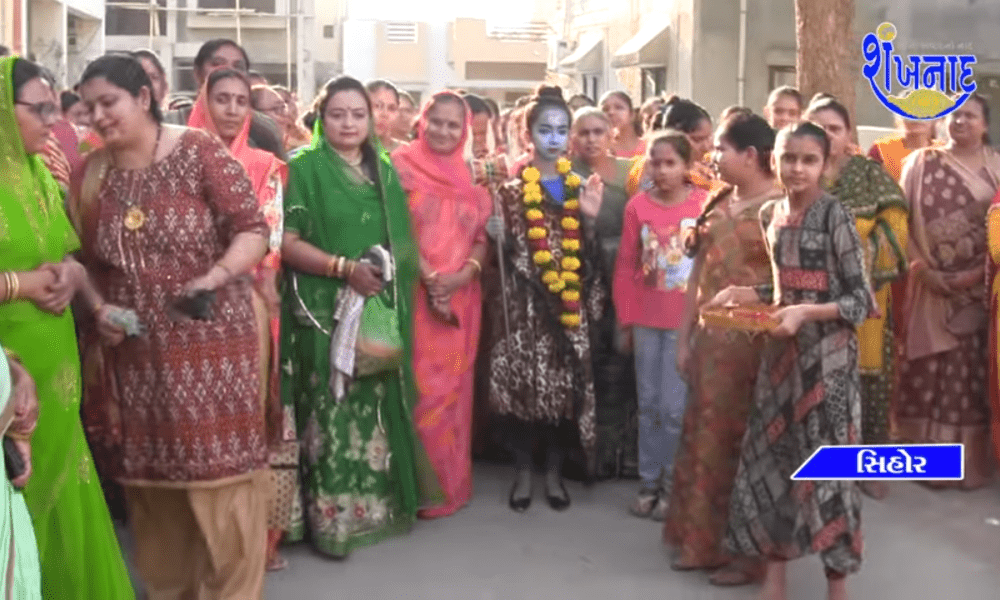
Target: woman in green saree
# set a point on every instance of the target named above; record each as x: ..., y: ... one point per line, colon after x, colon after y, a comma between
x: 364, y: 474
x: 79, y: 552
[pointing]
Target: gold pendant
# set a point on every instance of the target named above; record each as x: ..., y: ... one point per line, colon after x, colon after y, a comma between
x: 134, y: 218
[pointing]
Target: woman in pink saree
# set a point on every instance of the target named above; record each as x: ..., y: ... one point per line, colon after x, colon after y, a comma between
x: 449, y: 217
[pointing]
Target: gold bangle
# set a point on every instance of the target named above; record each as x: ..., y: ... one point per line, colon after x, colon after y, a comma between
x: 12, y: 356
x: 351, y: 265
x: 21, y: 437
x: 8, y: 287
x: 475, y: 263
x: 331, y: 266
x: 341, y: 265
x: 17, y: 286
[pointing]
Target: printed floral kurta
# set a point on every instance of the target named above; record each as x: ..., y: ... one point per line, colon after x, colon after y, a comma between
x: 724, y: 366
x: 543, y: 372
x: 190, y: 391
x: 807, y: 395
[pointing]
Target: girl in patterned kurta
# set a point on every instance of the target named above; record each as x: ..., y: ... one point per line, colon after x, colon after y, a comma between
x: 720, y: 365
x: 360, y: 452
x: 807, y: 391
x: 541, y: 374
x: 223, y: 108
x: 880, y: 213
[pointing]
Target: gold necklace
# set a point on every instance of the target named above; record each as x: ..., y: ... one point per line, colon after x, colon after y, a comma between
x: 135, y: 218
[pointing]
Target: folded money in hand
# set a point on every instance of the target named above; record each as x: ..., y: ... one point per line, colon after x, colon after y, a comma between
x: 127, y: 320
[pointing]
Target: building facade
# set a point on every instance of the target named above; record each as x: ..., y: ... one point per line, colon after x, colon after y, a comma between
x: 61, y: 35
x: 693, y: 47
x: 500, y: 62
x: 280, y: 36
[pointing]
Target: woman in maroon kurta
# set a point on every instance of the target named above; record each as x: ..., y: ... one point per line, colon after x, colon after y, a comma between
x: 164, y: 212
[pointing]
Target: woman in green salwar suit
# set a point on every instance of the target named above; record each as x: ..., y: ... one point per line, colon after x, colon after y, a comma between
x: 79, y: 553
x: 364, y: 474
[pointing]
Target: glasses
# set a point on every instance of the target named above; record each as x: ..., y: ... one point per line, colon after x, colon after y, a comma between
x: 42, y: 110
x: 277, y: 109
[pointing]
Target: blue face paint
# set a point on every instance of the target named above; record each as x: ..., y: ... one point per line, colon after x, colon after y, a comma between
x: 550, y: 134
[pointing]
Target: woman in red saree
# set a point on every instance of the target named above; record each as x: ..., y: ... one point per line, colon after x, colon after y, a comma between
x: 449, y: 217
x: 224, y: 108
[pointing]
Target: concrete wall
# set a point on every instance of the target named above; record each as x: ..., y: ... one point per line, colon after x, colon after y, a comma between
x: 47, y: 36
x: 405, y: 63
x: 360, y: 49
x: 9, y: 13
x: 470, y: 43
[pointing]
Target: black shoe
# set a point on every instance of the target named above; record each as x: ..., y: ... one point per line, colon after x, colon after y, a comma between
x: 518, y: 505
x: 559, y: 503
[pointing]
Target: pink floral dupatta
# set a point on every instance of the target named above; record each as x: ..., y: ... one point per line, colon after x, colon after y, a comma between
x: 449, y: 217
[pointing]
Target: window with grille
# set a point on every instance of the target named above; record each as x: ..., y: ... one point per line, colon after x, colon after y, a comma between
x: 328, y: 31
x: 401, y: 33
x: 261, y: 6
x: 779, y: 76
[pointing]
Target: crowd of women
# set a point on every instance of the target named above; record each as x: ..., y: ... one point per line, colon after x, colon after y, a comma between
x: 240, y: 327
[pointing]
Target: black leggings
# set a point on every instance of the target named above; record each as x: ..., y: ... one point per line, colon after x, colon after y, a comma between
x: 522, y: 438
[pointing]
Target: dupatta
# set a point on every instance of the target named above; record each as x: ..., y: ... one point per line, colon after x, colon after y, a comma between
x: 449, y: 209
x: 928, y: 313
x: 33, y: 224
x: 261, y: 165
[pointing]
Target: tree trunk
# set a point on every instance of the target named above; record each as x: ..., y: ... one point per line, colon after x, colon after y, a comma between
x: 826, y: 60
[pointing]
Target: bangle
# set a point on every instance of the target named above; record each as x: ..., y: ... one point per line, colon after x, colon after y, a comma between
x: 13, y: 285
x: 475, y: 263
x: 351, y: 265
x: 21, y: 437
x: 12, y: 356
x: 331, y: 266
x: 340, y: 266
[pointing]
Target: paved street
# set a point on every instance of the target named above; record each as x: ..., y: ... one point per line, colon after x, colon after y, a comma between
x: 920, y: 545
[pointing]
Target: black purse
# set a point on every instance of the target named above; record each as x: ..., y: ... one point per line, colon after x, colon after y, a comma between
x: 12, y: 459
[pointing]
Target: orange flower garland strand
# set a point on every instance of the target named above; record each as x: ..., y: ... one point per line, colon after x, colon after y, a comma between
x: 563, y: 277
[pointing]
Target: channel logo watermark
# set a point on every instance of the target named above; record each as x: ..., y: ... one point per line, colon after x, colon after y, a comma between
x: 918, y: 462
x: 933, y: 85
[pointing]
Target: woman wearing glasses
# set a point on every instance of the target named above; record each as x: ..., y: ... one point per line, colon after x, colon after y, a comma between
x: 77, y: 547
x: 268, y: 101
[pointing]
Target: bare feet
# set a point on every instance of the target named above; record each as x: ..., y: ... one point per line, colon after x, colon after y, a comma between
x: 774, y: 582
x: 742, y: 571
x: 836, y: 589
x: 877, y: 490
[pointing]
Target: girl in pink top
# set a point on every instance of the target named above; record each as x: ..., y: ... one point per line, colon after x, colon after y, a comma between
x: 650, y: 281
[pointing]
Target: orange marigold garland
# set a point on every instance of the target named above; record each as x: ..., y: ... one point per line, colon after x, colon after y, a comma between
x: 561, y: 277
